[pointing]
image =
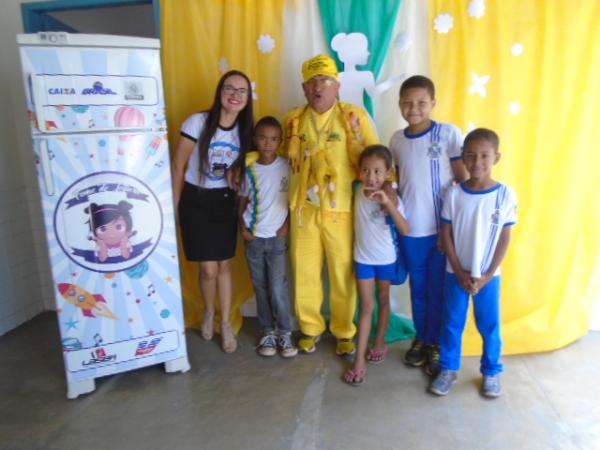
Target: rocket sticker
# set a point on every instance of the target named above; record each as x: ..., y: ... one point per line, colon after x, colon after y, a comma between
x: 92, y: 305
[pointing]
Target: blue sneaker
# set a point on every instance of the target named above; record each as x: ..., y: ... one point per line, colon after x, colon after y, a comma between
x: 267, y: 345
x: 443, y: 382
x: 491, y: 386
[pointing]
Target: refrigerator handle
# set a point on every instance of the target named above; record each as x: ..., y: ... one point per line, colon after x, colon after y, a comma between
x: 37, y: 89
x: 46, y: 169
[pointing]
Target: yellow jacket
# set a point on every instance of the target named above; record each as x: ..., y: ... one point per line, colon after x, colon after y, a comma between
x: 323, y: 150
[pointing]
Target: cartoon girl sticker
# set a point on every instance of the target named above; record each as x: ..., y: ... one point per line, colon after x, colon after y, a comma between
x: 111, y: 227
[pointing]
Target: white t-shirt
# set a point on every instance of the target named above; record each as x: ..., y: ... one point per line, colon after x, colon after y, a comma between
x: 425, y: 173
x: 477, y: 218
x: 373, y: 242
x: 223, y: 151
x: 267, y: 190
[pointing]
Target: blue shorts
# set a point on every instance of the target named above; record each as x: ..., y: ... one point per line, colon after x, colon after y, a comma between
x: 369, y: 271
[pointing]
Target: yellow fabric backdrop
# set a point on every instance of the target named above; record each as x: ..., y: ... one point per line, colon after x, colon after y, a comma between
x: 544, y: 102
x: 202, y: 39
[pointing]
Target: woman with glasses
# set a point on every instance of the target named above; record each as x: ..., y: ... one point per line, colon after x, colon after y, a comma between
x: 207, y: 167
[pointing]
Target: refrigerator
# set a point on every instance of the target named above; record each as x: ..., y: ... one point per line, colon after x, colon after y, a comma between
x: 96, y: 111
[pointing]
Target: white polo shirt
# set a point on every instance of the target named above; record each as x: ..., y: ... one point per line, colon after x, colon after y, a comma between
x: 425, y: 173
x: 477, y: 218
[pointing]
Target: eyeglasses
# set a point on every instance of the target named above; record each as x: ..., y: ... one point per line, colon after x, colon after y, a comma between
x: 230, y: 90
x: 326, y: 82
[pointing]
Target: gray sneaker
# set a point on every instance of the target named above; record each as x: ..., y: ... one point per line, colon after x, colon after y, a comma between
x: 443, y: 382
x: 267, y: 345
x: 491, y: 386
x: 287, y: 349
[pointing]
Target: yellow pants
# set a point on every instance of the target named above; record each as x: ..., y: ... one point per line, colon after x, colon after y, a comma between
x: 312, y: 236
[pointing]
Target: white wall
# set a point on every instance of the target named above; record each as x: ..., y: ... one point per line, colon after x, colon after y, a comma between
x: 25, y: 283
x: 130, y: 20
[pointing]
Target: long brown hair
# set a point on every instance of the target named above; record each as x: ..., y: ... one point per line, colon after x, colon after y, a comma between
x: 244, y: 120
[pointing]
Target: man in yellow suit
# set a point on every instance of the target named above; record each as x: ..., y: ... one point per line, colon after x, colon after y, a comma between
x: 323, y: 141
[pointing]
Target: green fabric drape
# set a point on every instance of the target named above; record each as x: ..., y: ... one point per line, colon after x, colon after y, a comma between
x: 374, y: 18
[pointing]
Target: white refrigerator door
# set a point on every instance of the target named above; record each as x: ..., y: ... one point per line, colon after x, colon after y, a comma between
x: 108, y: 211
x: 81, y: 89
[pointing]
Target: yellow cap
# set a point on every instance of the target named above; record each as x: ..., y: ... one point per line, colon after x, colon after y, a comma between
x: 319, y: 65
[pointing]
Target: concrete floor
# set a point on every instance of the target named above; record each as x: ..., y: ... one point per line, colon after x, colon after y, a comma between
x: 242, y: 401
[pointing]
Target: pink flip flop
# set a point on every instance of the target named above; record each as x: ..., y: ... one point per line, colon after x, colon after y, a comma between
x: 355, y: 377
x: 377, y: 356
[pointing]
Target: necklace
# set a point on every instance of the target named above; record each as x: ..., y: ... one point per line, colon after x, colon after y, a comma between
x: 325, y: 128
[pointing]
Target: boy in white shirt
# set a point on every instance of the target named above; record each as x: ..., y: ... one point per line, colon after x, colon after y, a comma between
x: 427, y: 154
x: 264, y: 226
x: 477, y: 215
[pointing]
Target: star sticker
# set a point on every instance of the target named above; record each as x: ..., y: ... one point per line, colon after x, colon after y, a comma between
x: 151, y: 332
x: 169, y: 279
x: 479, y: 84
x: 71, y: 324
x: 443, y: 23
x: 476, y: 8
x: 265, y: 43
x: 515, y: 108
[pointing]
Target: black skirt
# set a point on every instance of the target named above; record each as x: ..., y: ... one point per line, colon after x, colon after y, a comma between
x: 208, y: 219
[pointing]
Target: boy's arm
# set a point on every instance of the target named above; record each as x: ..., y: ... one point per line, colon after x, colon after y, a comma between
x: 285, y: 227
x: 499, y: 254
x: 399, y: 220
x: 459, y: 170
x: 243, y: 230
x: 464, y: 277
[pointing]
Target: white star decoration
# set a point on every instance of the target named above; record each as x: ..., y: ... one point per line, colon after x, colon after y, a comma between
x: 443, y: 23
x: 517, y: 49
x: 265, y: 43
x: 403, y: 41
x: 254, y: 94
x: 476, y: 8
x: 479, y: 85
x: 515, y: 108
x: 223, y: 65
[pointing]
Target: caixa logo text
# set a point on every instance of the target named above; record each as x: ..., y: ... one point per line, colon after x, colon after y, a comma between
x: 62, y: 91
x: 98, y: 89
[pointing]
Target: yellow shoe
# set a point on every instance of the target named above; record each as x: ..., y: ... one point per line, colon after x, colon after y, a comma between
x: 308, y: 344
x: 345, y: 347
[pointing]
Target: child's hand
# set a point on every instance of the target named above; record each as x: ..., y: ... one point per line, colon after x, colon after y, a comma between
x: 465, y: 280
x: 382, y: 198
x: 283, y: 231
x: 479, y: 283
x: 233, y: 178
x: 247, y: 235
x: 124, y: 247
x: 102, y: 250
x: 391, y: 192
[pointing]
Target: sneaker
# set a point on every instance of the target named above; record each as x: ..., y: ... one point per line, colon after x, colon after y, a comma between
x: 443, y: 382
x: 416, y: 356
x: 432, y: 368
x: 345, y: 347
x: 491, y: 386
x: 287, y: 349
x: 267, y: 345
x: 308, y: 344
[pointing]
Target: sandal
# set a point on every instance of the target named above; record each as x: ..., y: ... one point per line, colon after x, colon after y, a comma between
x: 377, y: 356
x: 355, y: 377
x: 228, y: 340
x: 208, y: 328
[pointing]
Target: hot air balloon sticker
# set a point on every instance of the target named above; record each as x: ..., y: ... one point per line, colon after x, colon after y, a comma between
x: 128, y: 117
